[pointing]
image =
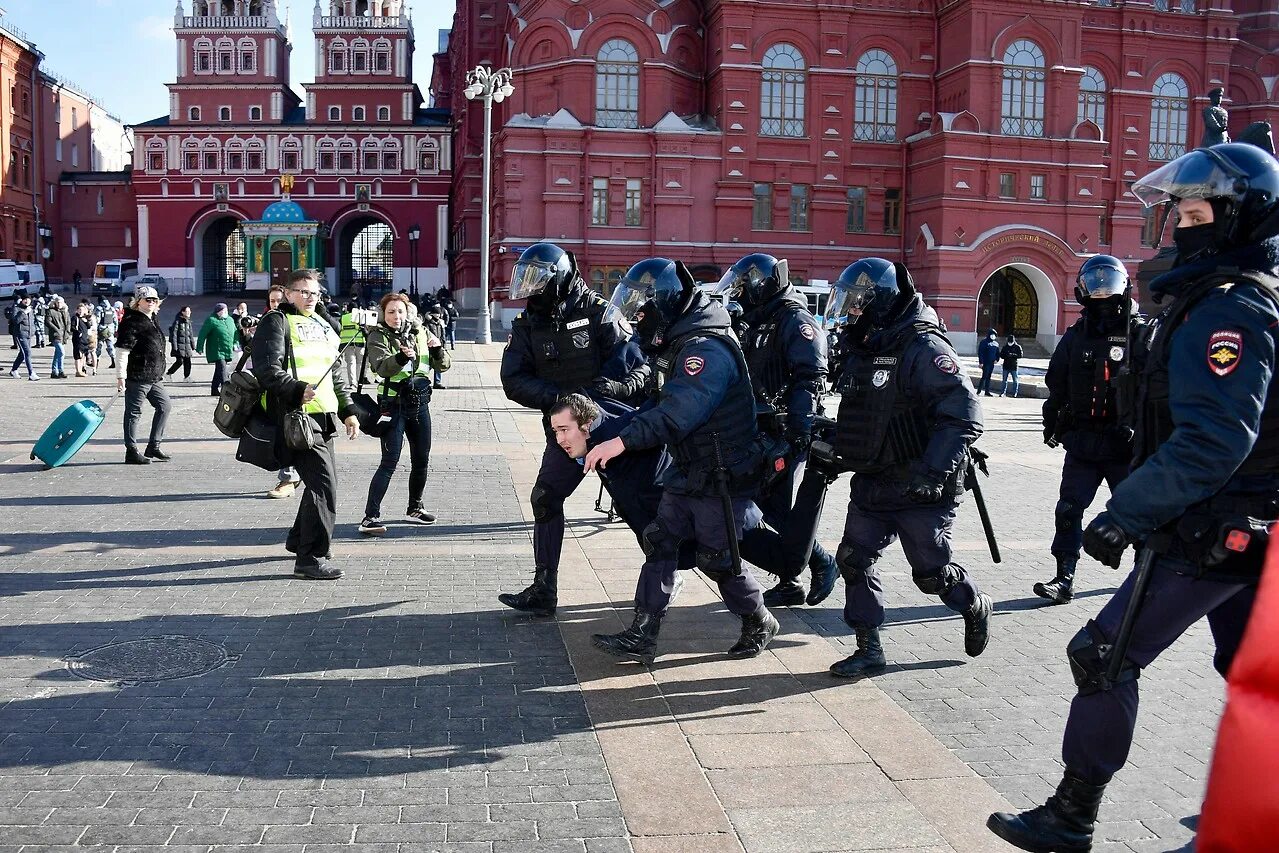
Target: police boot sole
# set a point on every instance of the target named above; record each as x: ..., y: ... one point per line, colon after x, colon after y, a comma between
x: 1002, y: 825
x: 1058, y: 597
x: 606, y: 643
x: 820, y: 592
x: 789, y: 598
x: 515, y: 604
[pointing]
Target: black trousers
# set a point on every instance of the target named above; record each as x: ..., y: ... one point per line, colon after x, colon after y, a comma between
x: 184, y: 362
x: 311, y: 536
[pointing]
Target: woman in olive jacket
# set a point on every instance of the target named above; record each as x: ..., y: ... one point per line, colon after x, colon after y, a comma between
x: 57, y: 322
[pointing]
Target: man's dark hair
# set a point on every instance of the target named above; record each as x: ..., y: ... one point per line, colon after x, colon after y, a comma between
x: 303, y: 275
x: 583, y: 408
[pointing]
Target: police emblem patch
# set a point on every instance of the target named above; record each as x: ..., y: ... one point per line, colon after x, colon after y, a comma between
x: 946, y: 364
x: 693, y: 365
x: 879, y: 379
x: 807, y: 331
x: 1116, y: 353
x: 582, y: 339
x: 1224, y: 350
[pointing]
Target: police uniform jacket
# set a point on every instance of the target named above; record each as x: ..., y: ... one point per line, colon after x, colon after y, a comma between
x: 633, y: 479
x: 786, y: 353
x: 526, y: 370
x: 1220, y: 358
x: 1082, y: 382
x: 271, y: 368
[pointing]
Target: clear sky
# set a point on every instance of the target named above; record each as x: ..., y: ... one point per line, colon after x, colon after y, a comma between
x: 122, y: 51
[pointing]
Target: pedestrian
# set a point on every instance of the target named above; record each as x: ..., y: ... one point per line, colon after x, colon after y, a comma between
x: 402, y: 353
x: 217, y: 341
x: 1082, y: 409
x: 76, y: 278
x: 705, y: 414
x: 10, y: 315
x: 435, y: 321
x: 107, y: 323
x: 1202, y: 491
x: 22, y: 322
x: 908, y: 415
x: 57, y: 323
x: 987, y: 357
x: 287, y: 479
x: 182, y: 342
x: 451, y: 315
x: 39, y: 310
x: 786, y: 355
x: 302, y: 374
x: 351, y: 333
x: 83, y: 329
x: 140, y: 375
x: 566, y: 338
x: 1011, y: 355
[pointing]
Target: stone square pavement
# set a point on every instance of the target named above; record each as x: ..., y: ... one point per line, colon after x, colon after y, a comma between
x: 402, y: 709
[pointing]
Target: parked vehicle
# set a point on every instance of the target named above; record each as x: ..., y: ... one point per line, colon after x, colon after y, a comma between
x: 9, y: 279
x: 115, y: 277
x: 32, y: 277
x: 159, y: 282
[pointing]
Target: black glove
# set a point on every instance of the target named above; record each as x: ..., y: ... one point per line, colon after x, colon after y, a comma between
x: 925, y: 488
x: 1105, y: 541
x: 1050, y: 437
x: 611, y: 388
x: 799, y: 442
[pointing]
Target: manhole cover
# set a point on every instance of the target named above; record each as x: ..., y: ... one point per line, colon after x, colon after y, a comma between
x: 149, y: 659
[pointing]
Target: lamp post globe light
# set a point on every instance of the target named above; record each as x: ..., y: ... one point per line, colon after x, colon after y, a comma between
x: 492, y: 86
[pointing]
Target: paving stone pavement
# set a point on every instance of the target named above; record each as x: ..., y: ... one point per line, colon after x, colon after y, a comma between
x: 399, y: 709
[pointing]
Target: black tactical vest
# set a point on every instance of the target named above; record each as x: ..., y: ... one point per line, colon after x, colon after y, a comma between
x: 733, y: 421
x: 1154, y: 416
x: 1095, y: 363
x: 566, y: 351
x: 879, y: 426
x: 765, y: 354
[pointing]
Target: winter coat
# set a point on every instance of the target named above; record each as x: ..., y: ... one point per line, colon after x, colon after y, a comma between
x: 988, y: 351
x: 181, y: 337
x: 22, y: 323
x: 57, y: 322
x: 217, y: 338
x: 144, y: 339
x: 1011, y: 354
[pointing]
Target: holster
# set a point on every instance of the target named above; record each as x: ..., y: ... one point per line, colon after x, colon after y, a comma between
x: 1224, y: 539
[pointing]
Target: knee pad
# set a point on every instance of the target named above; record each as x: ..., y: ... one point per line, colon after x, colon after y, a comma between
x: 1069, y: 517
x: 656, y: 541
x: 1089, y: 653
x: 716, y: 565
x: 545, y: 505
x: 853, y: 562
x: 939, y: 582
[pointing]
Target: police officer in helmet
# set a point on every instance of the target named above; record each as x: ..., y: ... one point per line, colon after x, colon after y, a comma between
x: 705, y: 410
x: 567, y: 339
x: 786, y: 353
x: 907, y: 418
x: 1205, y: 472
x: 1082, y: 409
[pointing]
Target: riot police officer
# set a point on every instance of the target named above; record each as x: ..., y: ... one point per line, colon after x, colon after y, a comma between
x: 1205, y: 476
x: 705, y: 414
x: 566, y: 339
x: 1082, y: 409
x: 786, y: 353
x: 907, y: 418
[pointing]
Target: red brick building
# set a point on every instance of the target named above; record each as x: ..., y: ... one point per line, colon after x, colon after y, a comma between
x: 243, y: 182
x: 988, y: 144
x: 19, y: 166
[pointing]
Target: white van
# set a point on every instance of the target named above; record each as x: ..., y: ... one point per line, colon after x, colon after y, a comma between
x: 9, y: 280
x: 115, y: 277
x: 32, y: 277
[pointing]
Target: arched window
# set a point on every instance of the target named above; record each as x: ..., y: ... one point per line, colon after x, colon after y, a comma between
x: 359, y: 56
x: 875, y: 111
x: 226, y: 56
x: 428, y: 156
x: 782, y: 92
x: 383, y: 113
x: 224, y: 113
x: 617, y: 85
x: 357, y: 113
x: 1168, y: 112
x: 203, y: 56
x: 193, y: 114
x: 248, y: 52
x: 1023, y: 96
x: 337, y: 57
x: 335, y: 113
x: 255, y: 114
x: 1092, y: 98
x: 382, y: 56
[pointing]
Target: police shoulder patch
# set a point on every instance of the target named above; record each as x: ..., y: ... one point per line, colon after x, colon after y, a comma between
x: 946, y: 364
x: 1225, y: 348
x: 693, y: 365
x: 807, y: 331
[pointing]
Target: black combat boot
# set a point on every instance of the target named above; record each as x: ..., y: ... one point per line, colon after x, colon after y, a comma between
x: 133, y: 457
x: 825, y: 573
x: 788, y: 593
x: 758, y: 631
x: 977, y: 625
x: 540, y: 596
x: 867, y: 660
x: 638, y: 642
x: 1062, y: 825
x: 1061, y: 589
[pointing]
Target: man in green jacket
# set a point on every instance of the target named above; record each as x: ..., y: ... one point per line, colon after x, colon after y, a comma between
x: 217, y: 342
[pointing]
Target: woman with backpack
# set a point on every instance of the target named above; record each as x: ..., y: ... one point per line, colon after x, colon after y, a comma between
x: 182, y: 341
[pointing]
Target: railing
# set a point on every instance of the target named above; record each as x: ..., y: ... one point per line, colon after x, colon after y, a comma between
x: 17, y: 31
x: 223, y: 22
x: 346, y: 22
x: 71, y: 85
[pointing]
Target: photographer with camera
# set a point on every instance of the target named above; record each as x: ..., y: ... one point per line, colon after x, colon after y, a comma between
x: 352, y: 327
x: 403, y: 353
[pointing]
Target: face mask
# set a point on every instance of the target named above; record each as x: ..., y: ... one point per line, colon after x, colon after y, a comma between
x: 1195, y: 240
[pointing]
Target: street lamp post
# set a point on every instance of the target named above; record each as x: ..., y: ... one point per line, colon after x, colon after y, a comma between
x: 414, y: 234
x: 492, y: 86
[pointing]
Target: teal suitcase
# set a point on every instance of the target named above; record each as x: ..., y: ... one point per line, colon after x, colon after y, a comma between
x: 69, y: 432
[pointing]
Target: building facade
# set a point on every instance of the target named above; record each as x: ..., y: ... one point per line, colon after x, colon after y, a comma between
x: 20, y: 185
x: 243, y: 182
x: 987, y: 145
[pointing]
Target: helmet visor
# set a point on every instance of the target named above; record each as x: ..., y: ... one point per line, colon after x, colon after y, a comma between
x: 530, y: 278
x: 736, y: 281
x: 627, y: 298
x: 1200, y: 174
x: 1102, y: 282
x: 844, y: 299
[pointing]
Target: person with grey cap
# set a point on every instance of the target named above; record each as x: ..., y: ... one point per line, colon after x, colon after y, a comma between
x: 217, y: 341
x: 140, y: 360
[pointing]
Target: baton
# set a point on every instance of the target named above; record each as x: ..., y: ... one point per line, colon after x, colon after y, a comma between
x: 986, y: 526
x: 1140, y: 583
x: 726, y: 499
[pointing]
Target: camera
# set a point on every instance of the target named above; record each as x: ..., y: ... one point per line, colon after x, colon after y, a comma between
x: 248, y: 321
x: 364, y: 316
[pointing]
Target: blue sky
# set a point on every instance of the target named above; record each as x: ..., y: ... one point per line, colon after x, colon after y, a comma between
x: 122, y: 51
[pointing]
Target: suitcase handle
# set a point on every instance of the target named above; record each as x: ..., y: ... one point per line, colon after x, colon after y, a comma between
x: 62, y: 439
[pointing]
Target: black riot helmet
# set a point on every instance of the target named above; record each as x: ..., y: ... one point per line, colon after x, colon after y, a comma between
x: 544, y: 273
x: 1102, y: 277
x: 754, y: 280
x: 1239, y: 180
x: 879, y: 289
x: 666, y: 283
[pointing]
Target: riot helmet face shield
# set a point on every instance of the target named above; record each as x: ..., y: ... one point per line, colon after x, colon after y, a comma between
x: 1202, y: 173
x: 867, y: 288
x: 753, y: 280
x: 542, y: 274
x: 1101, y: 277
